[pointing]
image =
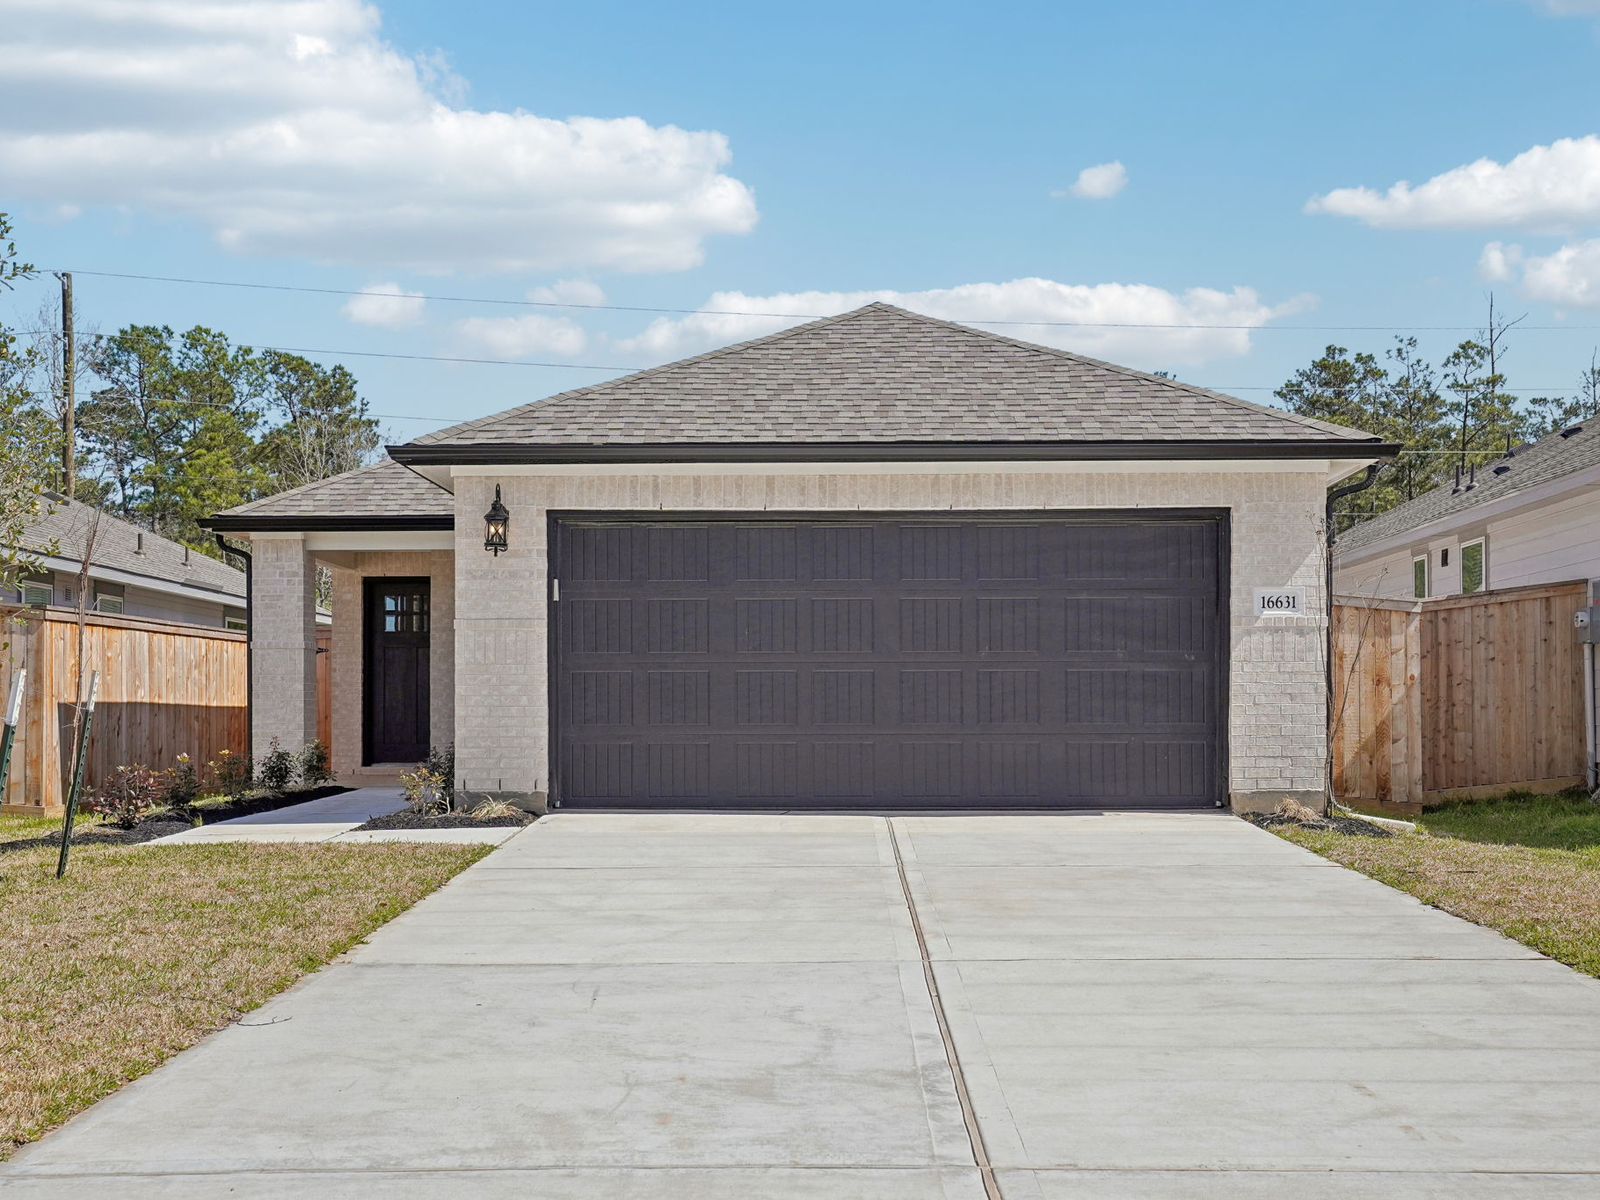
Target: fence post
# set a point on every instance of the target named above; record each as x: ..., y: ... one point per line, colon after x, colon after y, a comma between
x: 77, y: 774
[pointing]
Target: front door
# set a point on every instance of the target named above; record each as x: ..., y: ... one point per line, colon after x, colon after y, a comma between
x: 396, y: 703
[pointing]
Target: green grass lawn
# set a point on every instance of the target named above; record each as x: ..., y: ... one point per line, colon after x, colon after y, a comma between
x: 1528, y: 866
x: 1567, y: 821
x: 143, y: 950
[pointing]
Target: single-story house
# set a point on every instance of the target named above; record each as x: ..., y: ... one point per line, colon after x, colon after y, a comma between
x: 132, y: 572
x: 1531, y: 517
x: 874, y: 561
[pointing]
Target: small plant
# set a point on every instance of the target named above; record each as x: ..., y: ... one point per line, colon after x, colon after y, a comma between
x: 425, y: 792
x: 489, y: 810
x: 231, y: 772
x: 183, y: 783
x: 312, y: 764
x: 275, y: 771
x: 128, y: 795
x: 441, y: 762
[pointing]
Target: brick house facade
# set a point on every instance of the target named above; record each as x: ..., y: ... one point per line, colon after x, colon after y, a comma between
x: 1091, y: 667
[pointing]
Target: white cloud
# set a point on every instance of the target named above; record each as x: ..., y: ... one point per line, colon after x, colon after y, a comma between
x: 290, y: 127
x: 535, y: 333
x: 1568, y: 8
x: 1499, y: 262
x: 385, y: 305
x: 1568, y: 277
x: 731, y: 317
x: 1098, y: 183
x: 1547, y: 187
x: 531, y: 333
x: 569, y: 291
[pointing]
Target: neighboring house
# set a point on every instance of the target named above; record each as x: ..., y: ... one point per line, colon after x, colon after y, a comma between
x: 132, y: 572
x: 874, y: 561
x: 1530, y: 517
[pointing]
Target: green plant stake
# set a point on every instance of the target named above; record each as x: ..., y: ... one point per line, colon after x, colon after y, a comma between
x: 13, y: 711
x: 77, y: 774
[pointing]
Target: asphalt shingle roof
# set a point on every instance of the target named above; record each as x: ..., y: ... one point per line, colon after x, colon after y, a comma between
x: 1539, y: 462
x: 122, y: 546
x: 877, y: 374
x: 883, y: 374
x: 385, y: 489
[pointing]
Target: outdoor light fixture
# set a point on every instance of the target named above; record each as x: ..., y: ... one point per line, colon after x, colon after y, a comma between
x: 495, y: 522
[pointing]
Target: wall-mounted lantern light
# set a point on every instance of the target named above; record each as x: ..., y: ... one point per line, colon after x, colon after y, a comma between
x: 495, y: 522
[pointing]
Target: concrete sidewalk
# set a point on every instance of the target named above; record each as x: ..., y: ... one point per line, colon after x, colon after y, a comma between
x: 1164, y: 1005
x: 333, y: 819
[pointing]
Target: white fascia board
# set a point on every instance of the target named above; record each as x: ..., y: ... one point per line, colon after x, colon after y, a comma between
x: 1532, y: 497
x: 1332, y: 469
x: 415, y: 539
x: 149, y: 583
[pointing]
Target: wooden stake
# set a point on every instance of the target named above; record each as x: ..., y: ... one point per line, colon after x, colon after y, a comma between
x: 77, y: 774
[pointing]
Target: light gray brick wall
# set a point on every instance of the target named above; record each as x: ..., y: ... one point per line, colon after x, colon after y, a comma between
x: 283, y: 681
x: 1277, y: 738
x: 347, y: 665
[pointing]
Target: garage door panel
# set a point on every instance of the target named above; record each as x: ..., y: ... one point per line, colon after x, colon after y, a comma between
x: 843, y: 625
x: 844, y: 697
x: 677, y: 626
x: 907, y: 662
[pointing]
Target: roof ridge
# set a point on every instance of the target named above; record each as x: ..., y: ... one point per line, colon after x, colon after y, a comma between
x: 1133, y: 373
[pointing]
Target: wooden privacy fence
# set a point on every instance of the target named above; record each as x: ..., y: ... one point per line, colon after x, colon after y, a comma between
x: 1441, y: 698
x: 165, y: 690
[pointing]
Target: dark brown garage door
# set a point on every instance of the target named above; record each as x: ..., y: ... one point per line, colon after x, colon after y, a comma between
x: 889, y: 663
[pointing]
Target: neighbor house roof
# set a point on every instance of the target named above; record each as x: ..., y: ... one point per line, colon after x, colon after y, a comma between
x: 876, y: 376
x: 123, y: 547
x: 1545, y: 461
x: 385, y: 493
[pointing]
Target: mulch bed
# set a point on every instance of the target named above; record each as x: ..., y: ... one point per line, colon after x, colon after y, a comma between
x: 102, y: 835
x: 1322, y: 824
x: 249, y: 806
x: 406, y: 819
x: 87, y: 832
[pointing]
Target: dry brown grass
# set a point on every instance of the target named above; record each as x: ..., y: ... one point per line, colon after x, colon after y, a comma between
x: 1546, y: 899
x: 141, y: 951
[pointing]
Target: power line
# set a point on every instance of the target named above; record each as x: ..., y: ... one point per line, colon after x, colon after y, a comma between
x: 715, y: 312
x: 518, y: 362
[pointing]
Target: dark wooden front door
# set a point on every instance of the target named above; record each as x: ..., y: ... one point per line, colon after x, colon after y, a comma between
x: 921, y: 662
x: 396, y: 702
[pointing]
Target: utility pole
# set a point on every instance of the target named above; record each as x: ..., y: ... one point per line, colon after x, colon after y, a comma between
x: 69, y: 388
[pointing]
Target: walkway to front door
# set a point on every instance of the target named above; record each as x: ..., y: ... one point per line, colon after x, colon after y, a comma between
x: 724, y: 1007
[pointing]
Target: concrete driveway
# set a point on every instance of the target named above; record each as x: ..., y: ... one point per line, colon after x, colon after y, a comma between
x: 729, y: 1007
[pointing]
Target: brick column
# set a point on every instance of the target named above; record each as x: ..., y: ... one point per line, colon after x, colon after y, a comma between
x: 283, y: 703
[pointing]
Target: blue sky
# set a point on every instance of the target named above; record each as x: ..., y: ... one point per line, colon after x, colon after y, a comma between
x: 800, y: 160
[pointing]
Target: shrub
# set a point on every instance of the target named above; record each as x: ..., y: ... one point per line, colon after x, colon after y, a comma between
x: 231, y: 772
x: 275, y: 771
x: 312, y: 764
x: 424, y: 791
x: 182, y: 783
x: 441, y: 762
x: 128, y: 795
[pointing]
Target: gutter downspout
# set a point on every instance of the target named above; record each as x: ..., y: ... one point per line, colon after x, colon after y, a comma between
x: 249, y: 651
x: 1591, y: 705
x: 1330, y: 528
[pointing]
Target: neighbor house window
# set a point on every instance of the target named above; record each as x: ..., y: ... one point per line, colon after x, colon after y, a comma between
x: 107, y: 604
x: 236, y: 623
x: 36, y: 594
x: 1474, y: 566
x: 1419, y: 577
